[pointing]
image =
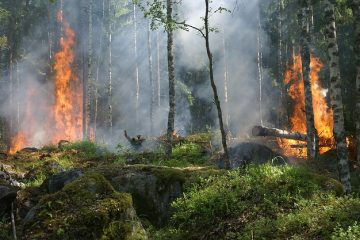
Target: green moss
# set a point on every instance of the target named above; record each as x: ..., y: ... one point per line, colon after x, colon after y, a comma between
x: 84, y: 209
x: 273, y: 202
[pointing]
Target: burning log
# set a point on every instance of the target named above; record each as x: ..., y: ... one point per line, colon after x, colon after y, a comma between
x: 280, y: 133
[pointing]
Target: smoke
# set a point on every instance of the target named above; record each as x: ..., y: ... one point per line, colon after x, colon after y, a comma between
x: 235, y: 44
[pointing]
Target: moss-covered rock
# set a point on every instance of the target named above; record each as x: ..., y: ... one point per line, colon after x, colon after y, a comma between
x: 88, y: 208
x: 154, y: 188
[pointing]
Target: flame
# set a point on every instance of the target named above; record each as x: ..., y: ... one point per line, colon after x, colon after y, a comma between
x: 64, y: 116
x: 24, y: 135
x: 67, y: 110
x: 323, y: 115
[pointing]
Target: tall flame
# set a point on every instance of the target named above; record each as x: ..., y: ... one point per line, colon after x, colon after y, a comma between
x: 67, y: 110
x: 64, y: 115
x: 323, y: 115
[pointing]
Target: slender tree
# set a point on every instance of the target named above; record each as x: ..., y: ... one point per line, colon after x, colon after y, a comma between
x: 136, y: 66
x: 226, y: 81
x: 158, y: 73
x: 356, y: 13
x: 171, y: 73
x: 213, y: 85
x: 336, y: 95
x: 151, y: 79
x: 312, y: 141
x: 109, y: 30
x: 89, y: 95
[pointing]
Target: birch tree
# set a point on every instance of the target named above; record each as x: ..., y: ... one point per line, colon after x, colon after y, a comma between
x: 312, y: 143
x: 356, y: 13
x: 89, y: 94
x: 336, y: 95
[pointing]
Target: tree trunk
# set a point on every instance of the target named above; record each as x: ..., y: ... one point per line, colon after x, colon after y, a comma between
x: 213, y: 85
x: 11, y: 92
x: 260, y: 131
x: 110, y: 112
x: 151, y: 81
x: 136, y: 68
x: 283, y: 114
x: 259, y: 63
x: 312, y: 144
x: 226, y: 83
x: 89, y: 96
x: 336, y: 96
x: 171, y: 73
x: 356, y: 14
x: 96, y: 91
x: 158, y: 70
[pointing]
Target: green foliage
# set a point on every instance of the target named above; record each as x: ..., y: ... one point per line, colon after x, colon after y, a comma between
x: 351, y: 233
x: 87, y: 149
x: 270, y: 202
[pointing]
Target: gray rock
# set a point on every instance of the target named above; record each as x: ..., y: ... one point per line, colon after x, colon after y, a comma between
x: 152, y: 193
x: 58, y: 181
x: 7, y: 196
x: 246, y: 153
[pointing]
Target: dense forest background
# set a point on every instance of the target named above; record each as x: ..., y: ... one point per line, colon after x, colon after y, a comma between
x: 122, y: 67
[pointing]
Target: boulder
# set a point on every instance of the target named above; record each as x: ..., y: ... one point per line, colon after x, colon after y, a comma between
x: 7, y: 196
x: 154, y: 188
x: 88, y: 208
x: 57, y: 181
x: 246, y: 153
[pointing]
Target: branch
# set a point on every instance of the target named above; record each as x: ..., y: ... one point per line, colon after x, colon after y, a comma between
x: 191, y: 26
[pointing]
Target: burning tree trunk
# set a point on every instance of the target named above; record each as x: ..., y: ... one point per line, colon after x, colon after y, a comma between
x: 312, y: 143
x: 356, y: 13
x: 171, y: 69
x: 213, y: 85
x: 152, y: 90
x: 275, y: 132
x: 336, y: 96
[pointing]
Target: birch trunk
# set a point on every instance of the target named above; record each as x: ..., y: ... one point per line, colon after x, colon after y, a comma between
x: 158, y: 70
x: 151, y: 80
x: 259, y: 47
x: 136, y: 67
x: 110, y: 112
x: 356, y: 14
x: 213, y: 85
x: 171, y: 73
x: 312, y: 144
x: 336, y: 96
x: 96, y: 91
x: 226, y: 83
x: 89, y: 96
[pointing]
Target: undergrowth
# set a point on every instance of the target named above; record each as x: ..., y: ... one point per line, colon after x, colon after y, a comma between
x: 264, y: 202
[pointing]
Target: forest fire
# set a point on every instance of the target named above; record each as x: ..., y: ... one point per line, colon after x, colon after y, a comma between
x: 67, y: 110
x: 64, y: 115
x: 323, y: 115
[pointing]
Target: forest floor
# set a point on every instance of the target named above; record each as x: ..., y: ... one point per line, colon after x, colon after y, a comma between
x: 83, y: 191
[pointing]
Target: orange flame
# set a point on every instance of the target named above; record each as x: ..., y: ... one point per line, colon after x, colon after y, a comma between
x: 67, y: 110
x: 64, y: 120
x: 323, y: 115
